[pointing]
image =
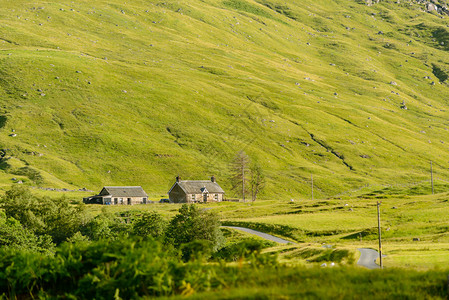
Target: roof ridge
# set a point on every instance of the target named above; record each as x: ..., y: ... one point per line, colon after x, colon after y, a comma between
x: 125, y: 186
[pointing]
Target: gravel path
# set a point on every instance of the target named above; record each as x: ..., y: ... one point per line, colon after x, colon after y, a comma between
x: 368, y: 258
x: 261, y: 234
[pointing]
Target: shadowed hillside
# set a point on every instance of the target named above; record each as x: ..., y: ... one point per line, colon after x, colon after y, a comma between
x: 103, y: 92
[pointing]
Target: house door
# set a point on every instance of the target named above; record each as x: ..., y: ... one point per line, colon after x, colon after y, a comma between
x: 129, y: 201
x: 205, y: 197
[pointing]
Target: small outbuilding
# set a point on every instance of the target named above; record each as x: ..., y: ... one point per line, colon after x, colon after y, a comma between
x: 194, y: 191
x: 119, y: 195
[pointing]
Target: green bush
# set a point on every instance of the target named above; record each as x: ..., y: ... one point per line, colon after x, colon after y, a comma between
x: 242, y: 249
x: 149, y: 224
x: 193, y: 223
x: 57, y: 218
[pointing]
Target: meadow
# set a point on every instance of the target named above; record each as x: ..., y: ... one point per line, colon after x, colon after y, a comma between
x: 315, y: 226
x: 172, y: 250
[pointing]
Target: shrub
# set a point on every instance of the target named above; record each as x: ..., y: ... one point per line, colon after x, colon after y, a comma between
x: 192, y: 224
x: 43, y: 216
x: 149, y: 224
x: 242, y: 249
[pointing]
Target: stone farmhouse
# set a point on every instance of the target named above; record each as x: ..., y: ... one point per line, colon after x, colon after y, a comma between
x: 194, y: 191
x: 119, y: 195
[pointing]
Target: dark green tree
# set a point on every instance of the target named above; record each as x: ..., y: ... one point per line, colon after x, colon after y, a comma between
x: 193, y: 223
x: 15, y: 237
x: 149, y: 224
x: 42, y: 215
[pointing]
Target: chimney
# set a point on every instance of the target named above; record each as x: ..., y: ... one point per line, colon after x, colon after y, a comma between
x: 212, y: 179
x: 178, y: 178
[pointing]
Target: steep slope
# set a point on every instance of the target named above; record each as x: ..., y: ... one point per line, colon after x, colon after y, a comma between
x: 135, y: 93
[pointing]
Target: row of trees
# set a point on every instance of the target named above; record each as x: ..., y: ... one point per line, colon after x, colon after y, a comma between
x: 246, y: 176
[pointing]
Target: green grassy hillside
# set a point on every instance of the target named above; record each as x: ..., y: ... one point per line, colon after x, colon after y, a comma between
x: 107, y: 92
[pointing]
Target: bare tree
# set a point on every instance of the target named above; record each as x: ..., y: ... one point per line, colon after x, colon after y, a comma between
x: 239, y: 173
x: 257, y: 180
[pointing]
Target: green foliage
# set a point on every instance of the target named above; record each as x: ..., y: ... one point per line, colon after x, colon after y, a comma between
x: 106, y: 226
x: 15, y: 237
x: 243, y: 249
x: 197, y: 250
x: 275, y: 229
x: 55, y: 217
x: 149, y: 224
x: 193, y: 223
x: 130, y: 269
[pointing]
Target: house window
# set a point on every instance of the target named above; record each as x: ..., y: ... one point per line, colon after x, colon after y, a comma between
x: 193, y: 197
x: 115, y: 200
x: 121, y: 200
x: 216, y: 197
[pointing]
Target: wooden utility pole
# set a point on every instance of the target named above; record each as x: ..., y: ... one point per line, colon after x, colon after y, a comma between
x: 380, y: 236
x: 431, y: 177
x: 312, y: 185
x: 243, y: 182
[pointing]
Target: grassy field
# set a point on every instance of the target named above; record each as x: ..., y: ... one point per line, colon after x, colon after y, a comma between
x: 106, y: 93
x: 317, y: 226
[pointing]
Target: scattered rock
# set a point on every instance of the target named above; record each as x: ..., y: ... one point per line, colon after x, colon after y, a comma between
x: 403, y: 106
x: 416, y: 239
x: 393, y: 83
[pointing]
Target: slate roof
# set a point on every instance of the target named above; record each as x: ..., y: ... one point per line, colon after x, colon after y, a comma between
x: 198, y: 186
x: 123, y: 191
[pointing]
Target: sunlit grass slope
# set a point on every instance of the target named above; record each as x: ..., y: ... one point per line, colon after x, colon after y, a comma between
x: 108, y: 92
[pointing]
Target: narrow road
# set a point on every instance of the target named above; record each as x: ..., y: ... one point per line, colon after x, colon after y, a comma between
x: 261, y: 234
x: 368, y: 258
